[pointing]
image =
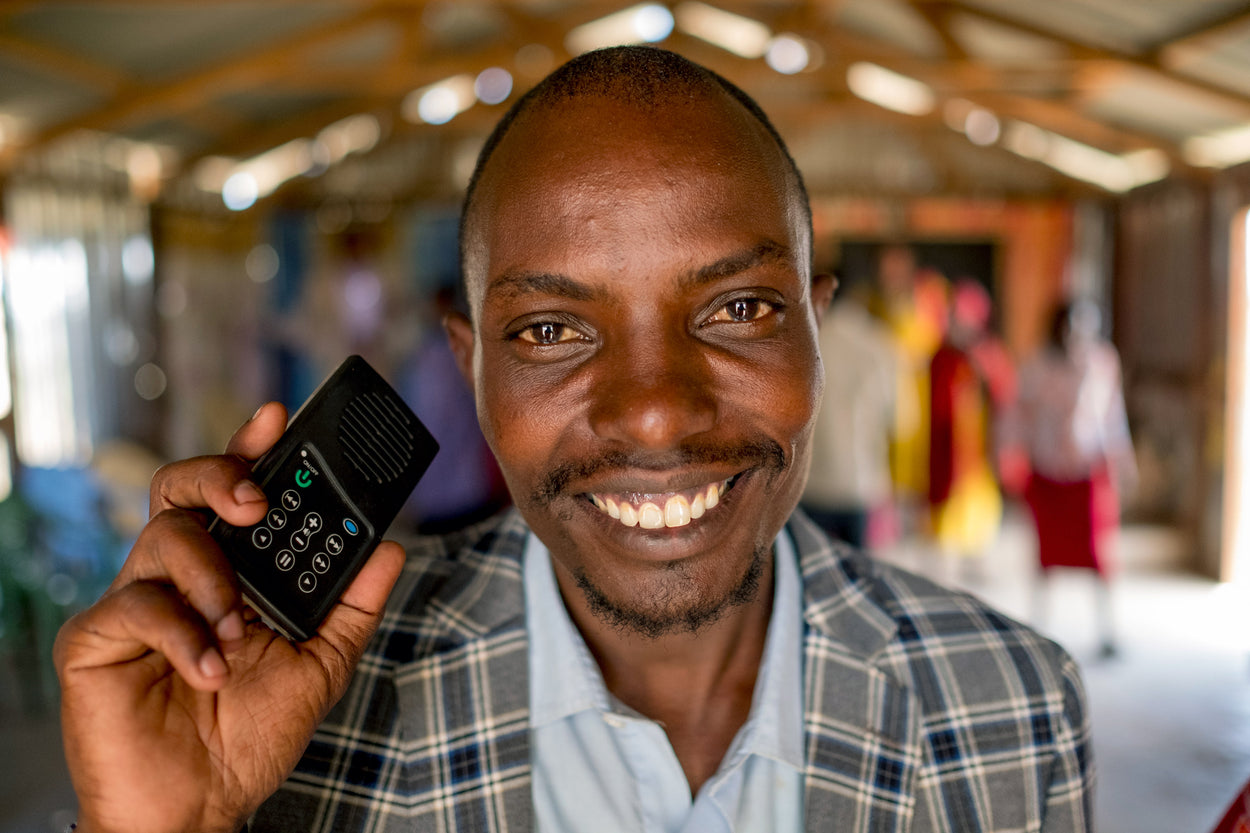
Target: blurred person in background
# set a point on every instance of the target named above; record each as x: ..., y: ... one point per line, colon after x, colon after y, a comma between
x: 850, y: 476
x: 1071, y: 419
x: 972, y: 382
x: 463, y: 485
x: 912, y: 303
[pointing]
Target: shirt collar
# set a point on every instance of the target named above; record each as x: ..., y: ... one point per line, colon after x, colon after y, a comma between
x: 565, y: 680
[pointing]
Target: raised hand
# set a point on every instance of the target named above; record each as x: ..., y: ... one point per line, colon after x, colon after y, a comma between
x: 180, y: 709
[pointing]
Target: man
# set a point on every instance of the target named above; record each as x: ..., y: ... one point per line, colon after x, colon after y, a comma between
x: 650, y: 642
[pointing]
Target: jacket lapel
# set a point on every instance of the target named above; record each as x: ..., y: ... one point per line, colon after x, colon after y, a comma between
x: 862, y: 726
x: 464, y: 703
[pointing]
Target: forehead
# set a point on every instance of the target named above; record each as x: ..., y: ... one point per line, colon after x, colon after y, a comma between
x: 586, y: 173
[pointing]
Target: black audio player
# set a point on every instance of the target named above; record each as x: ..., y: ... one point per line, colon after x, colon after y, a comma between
x: 335, y: 480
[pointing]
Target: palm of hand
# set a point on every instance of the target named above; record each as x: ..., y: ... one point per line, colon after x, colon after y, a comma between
x: 201, y: 756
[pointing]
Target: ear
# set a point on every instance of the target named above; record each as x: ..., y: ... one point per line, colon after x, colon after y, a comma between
x: 459, y: 331
x: 823, y: 287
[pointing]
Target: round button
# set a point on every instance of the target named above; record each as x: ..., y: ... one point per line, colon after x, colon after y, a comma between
x: 285, y: 560
x: 334, y: 544
x: 307, y: 582
x: 299, y: 540
x: 350, y: 526
x: 276, y: 518
x: 290, y: 499
x: 312, y: 522
x: 321, y: 562
x: 262, y: 537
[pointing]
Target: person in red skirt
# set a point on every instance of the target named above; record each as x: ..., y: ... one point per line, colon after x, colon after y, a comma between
x: 1072, y: 423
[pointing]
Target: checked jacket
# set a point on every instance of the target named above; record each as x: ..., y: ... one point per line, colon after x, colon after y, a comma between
x: 924, y: 709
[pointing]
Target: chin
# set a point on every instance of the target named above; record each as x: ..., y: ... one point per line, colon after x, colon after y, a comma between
x: 677, y: 598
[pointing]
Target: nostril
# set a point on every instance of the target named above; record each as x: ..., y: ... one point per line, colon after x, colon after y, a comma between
x: 659, y: 412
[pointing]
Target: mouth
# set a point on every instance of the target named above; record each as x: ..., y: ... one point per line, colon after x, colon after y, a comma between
x: 664, y: 510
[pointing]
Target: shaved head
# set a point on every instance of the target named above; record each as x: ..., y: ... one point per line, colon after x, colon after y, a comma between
x: 642, y: 77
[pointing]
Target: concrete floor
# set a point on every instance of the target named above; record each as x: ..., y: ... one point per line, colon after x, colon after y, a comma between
x: 1171, y: 713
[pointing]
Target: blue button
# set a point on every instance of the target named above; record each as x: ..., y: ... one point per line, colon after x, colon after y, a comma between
x: 350, y: 526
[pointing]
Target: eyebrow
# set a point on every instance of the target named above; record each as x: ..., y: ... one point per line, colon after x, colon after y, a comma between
x: 547, y: 283
x: 555, y: 283
x: 766, y: 252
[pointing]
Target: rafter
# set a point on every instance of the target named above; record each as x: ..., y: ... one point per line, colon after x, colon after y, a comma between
x: 939, y: 19
x: 1150, y: 61
x: 137, y: 101
x: 68, y: 65
x: 1205, y: 29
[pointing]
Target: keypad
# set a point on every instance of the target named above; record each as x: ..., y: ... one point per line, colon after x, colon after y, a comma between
x: 305, y: 545
x: 309, y: 536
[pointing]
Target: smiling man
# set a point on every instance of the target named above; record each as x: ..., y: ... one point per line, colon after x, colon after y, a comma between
x: 653, y: 639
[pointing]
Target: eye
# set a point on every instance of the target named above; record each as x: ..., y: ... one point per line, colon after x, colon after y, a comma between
x: 547, y: 333
x: 742, y: 311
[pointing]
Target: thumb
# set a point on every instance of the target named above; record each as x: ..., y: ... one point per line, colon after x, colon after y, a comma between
x: 352, y: 622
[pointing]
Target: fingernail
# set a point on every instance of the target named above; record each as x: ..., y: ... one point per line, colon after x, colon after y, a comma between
x: 212, y: 664
x: 258, y: 410
x: 230, y: 627
x: 248, y: 492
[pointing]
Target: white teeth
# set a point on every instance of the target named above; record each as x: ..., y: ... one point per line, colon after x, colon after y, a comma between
x: 678, y: 510
x: 650, y: 516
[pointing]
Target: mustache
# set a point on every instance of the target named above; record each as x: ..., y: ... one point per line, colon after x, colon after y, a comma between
x: 765, y: 454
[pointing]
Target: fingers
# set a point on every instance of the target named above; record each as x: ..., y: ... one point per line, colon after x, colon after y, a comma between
x: 177, y: 595
x: 175, y: 549
x: 128, y: 624
x: 352, y: 622
x: 260, y: 432
x: 220, y: 482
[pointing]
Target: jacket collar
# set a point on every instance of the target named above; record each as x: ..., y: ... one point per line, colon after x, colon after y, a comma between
x: 838, y: 599
x: 862, y: 723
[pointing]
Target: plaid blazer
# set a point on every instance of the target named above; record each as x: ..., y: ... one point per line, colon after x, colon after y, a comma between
x: 924, y: 710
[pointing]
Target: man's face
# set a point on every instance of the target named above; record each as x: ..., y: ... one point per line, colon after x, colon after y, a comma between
x: 643, y: 349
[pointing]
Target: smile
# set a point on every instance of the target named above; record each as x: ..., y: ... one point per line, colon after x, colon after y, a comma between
x: 659, y: 511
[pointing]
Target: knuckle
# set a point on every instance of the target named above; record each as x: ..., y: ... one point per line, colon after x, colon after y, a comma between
x: 66, y: 636
x: 167, y: 526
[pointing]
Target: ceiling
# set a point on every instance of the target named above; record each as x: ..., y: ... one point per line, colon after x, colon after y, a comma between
x: 1025, y: 97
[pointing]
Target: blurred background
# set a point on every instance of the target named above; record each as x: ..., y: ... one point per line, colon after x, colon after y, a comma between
x: 206, y: 206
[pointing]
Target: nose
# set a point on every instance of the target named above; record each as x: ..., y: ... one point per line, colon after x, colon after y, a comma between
x: 653, y: 398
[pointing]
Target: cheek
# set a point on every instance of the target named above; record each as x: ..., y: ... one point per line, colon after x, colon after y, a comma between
x: 782, y: 392
x: 523, y: 415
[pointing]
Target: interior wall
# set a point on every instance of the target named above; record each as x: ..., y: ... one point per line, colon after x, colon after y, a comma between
x: 1170, y: 333
x: 1035, y: 239
x: 1230, y: 198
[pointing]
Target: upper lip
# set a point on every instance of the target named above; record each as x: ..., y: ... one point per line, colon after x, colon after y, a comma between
x: 648, y: 483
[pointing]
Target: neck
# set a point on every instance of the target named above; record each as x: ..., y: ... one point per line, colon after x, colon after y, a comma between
x: 698, y: 686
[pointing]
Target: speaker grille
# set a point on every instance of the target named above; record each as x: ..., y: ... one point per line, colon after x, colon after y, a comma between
x: 377, y: 437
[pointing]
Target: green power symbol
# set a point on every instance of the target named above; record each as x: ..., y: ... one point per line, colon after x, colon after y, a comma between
x: 303, y: 478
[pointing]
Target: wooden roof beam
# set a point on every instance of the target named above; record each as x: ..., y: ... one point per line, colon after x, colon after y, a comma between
x: 68, y: 65
x: 1148, y: 62
x: 137, y: 101
x: 1204, y: 30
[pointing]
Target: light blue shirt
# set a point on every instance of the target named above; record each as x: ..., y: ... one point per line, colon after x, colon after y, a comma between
x: 599, y: 765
